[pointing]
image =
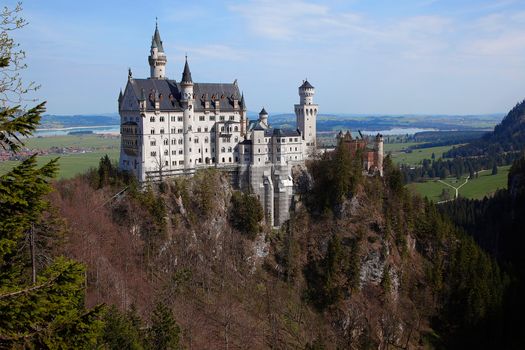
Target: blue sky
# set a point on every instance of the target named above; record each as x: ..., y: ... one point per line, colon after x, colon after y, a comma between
x: 363, y: 56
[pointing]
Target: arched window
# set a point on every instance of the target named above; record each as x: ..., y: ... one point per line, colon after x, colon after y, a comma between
x: 223, y: 149
x: 166, y: 142
x: 236, y: 128
x: 165, y: 152
x: 151, y: 119
x: 162, y: 131
x: 152, y: 131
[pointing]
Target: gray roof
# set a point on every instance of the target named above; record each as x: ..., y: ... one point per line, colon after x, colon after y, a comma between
x: 155, y: 41
x: 306, y: 85
x: 263, y: 111
x: 186, y: 75
x: 281, y: 132
x: 168, y: 92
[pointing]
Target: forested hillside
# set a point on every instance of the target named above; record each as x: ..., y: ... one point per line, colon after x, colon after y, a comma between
x: 361, y: 264
x: 497, y: 224
x: 508, y: 136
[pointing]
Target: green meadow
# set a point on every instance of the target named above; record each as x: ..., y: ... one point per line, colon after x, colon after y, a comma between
x: 484, y: 185
x: 74, y: 163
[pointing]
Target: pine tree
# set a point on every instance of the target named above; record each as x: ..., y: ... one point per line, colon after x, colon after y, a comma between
x: 164, y: 332
x: 495, y: 169
x: 48, y: 312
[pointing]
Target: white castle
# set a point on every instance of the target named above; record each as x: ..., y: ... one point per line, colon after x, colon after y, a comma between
x: 171, y: 128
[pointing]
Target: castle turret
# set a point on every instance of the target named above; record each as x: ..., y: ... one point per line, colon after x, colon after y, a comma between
x: 244, y: 118
x: 263, y: 118
x: 380, y: 153
x: 157, y: 58
x: 187, y: 100
x: 306, y: 116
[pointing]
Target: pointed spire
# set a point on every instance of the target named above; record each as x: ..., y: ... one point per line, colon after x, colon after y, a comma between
x: 263, y: 112
x: 186, y: 75
x: 120, y: 95
x: 155, y: 41
x: 243, y: 106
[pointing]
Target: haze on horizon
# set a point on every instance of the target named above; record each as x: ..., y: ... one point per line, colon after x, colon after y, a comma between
x: 363, y: 57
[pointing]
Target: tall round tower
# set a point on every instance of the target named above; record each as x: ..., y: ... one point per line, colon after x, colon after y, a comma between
x: 157, y: 58
x: 306, y: 117
x: 187, y: 100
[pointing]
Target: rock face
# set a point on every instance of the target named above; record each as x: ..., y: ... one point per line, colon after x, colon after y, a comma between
x: 176, y: 242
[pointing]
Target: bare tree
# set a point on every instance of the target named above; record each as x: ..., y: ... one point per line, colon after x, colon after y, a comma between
x: 12, y: 89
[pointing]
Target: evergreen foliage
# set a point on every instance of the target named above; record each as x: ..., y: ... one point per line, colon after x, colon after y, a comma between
x: 246, y: 213
x: 48, y: 312
x: 164, y: 332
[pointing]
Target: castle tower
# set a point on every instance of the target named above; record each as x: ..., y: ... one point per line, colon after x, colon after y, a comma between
x: 306, y: 116
x: 380, y: 153
x: 263, y: 118
x: 187, y: 100
x: 244, y: 119
x: 157, y: 58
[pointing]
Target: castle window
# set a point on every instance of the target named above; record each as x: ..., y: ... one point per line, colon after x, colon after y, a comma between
x: 173, y: 119
x: 152, y: 131
x: 180, y: 151
x: 180, y: 141
x: 173, y: 131
x: 283, y: 140
x: 196, y: 140
x: 205, y: 140
x: 179, y: 119
x: 290, y: 139
x: 232, y: 117
x: 151, y: 119
x: 167, y: 163
x: 153, y: 153
x: 223, y: 149
x: 173, y: 163
x: 152, y: 143
x: 229, y: 149
x: 161, y: 119
x: 199, y: 129
x: 230, y: 159
x: 173, y: 152
x: 222, y: 128
x: 212, y: 117
x: 181, y: 162
x: 296, y: 149
x: 236, y: 139
x: 221, y: 118
x: 166, y: 152
x: 179, y: 131
x: 162, y: 131
x: 202, y: 118
x: 205, y: 129
x: 236, y: 128
x: 166, y: 142
x: 295, y: 139
x: 223, y: 159
x: 173, y: 141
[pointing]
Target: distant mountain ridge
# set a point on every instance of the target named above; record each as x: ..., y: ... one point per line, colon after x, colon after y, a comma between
x: 508, y: 136
x: 50, y: 121
x: 325, y: 122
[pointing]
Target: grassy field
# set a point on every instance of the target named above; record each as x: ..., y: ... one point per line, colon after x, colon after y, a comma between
x: 417, y: 155
x: 70, y: 164
x: 484, y: 185
x: 85, y: 141
x: 396, y: 147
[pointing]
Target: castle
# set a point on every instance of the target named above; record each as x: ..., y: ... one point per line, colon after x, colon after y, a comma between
x: 171, y: 128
